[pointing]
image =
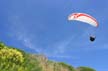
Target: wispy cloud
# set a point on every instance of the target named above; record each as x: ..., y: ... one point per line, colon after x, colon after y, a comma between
x: 18, y: 31
x: 64, y: 57
x: 60, y: 48
x: 62, y: 45
x: 28, y: 42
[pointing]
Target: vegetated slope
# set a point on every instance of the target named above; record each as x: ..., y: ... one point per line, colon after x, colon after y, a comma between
x: 13, y: 59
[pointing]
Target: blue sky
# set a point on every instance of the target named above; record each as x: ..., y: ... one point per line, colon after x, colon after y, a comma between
x: 41, y: 26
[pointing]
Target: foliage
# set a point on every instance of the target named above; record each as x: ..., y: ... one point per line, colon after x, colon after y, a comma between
x: 2, y: 45
x: 68, y: 66
x: 11, y: 55
x: 13, y: 59
x: 85, y: 69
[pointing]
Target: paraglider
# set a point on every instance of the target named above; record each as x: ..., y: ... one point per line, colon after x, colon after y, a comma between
x: 86, y: 19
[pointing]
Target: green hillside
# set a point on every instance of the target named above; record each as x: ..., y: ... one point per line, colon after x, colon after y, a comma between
x: 12, y: 59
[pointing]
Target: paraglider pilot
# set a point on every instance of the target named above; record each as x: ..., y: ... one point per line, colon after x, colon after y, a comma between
x: 92, y: 38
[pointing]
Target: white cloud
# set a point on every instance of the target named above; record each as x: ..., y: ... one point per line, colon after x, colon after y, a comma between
x: 60, y: 48
x: 64, y: 56
x: 18, y: 31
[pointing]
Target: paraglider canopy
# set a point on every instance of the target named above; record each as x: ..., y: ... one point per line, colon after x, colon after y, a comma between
x: 83, y: 18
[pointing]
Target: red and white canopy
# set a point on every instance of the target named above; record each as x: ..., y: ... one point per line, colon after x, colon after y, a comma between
x: 83, y: 18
